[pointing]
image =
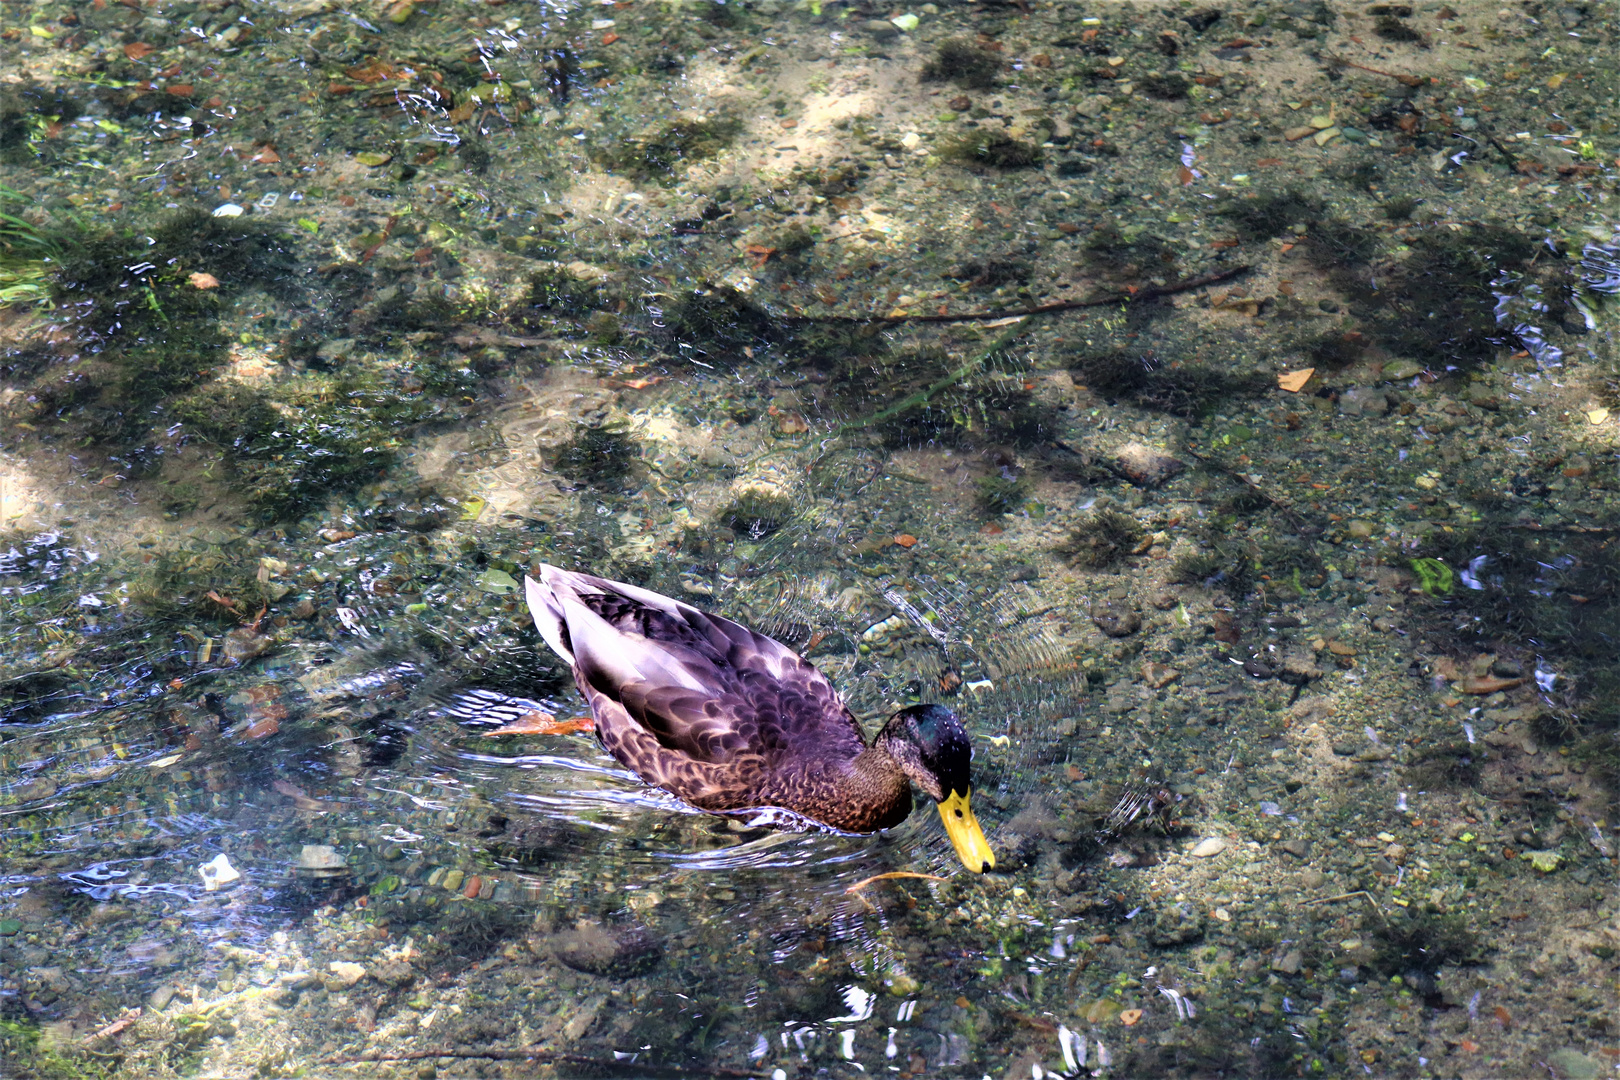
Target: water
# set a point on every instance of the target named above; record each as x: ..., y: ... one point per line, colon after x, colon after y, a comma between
x: 1257, y: 521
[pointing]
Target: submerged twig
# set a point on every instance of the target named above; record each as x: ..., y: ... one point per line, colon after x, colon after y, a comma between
x: 1351, y: 896
x: 540, y: 1054
x: 1151, y: 293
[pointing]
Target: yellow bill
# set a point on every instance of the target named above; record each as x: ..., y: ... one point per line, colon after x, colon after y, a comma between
x: 963, y: 829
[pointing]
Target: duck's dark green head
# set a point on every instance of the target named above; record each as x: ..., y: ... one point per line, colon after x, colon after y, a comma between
x: 932, y: 748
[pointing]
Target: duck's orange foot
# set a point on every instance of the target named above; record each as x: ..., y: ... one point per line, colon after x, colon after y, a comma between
x: 543, y: 723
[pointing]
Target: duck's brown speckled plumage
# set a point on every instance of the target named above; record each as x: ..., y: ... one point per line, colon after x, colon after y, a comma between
x: 713, y: 712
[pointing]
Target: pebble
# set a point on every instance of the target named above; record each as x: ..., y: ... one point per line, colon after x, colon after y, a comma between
x: 603, y: 949
x: 1144, y: 466
x: 1208, y: 847
x: 1313, y: 879
x: 1116, y: 622
x: 1158, y: 676
x: 346, y: 973
x: 1296, y: 847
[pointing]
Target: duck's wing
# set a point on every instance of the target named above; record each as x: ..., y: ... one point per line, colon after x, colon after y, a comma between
x: 698, y: 684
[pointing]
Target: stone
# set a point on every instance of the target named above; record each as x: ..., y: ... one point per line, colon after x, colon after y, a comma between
x: 1299, y: 668
x: 1486, y: 684
x: 244, y: 644
x: 320, y: 860
x: 1144, y: 466
x: 1208, y: 847
x: 881, y: 29
x: 1296, y: 847
x: 608, y: 950
x: 1363, y: 401
x: 1158, y: 676
x: 1116, y: 621
x: 1313, y: 879
x: 1359, y: 529
x: 1175, y: 924
x: 345, y: 973
x: 1288, y: 963
x: 1571, y: 1064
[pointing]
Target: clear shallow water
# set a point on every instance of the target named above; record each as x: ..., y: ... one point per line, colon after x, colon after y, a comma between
x: 512, y: 285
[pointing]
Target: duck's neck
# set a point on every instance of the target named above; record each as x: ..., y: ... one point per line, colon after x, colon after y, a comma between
x: 877, y: 791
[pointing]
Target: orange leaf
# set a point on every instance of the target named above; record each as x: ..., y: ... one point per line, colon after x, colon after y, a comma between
x: 137, y: 50
x: 609, y: 38
x: 266, y: 156
x: 905, y: 540
x: 204, y: 281
x: 759, y: 254
x: 1294, y: 381
x: 1130, y: 1016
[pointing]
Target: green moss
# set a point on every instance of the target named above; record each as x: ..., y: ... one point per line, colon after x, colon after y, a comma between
x: 961, y: 61
x: 659, y: 154
x: 1271, y: 213
x: 599, y: 457
x: 1400, y: 207
x: 1102, y: 539
x: 994, y: 148
x: 555, y: 291
x: 287, y: 462
x: 1149, y: 383
x: 1001, y: 493
x: 719, y: 321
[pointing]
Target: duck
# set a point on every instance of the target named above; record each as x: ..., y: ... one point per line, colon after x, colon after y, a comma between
x: 727, y: 719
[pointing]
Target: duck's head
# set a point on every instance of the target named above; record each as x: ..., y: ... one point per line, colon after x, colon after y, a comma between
x: 932, y: 749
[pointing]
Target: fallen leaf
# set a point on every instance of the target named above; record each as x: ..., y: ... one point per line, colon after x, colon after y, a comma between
x: 609, y: 38
x: 1597, y: 416
x: 1130, y: 1016
x: 1294, y: 381
x: 180, y: 89
x: 137, y: 50
x: 905, y: 540
x: 204, y: 281
x: 266, y: 155
x: 759, y: 254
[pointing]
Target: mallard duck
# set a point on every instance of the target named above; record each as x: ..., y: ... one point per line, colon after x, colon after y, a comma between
x: 728, y: 719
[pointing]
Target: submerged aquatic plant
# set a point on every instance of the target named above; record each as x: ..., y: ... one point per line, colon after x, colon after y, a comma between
x: 26, y: 255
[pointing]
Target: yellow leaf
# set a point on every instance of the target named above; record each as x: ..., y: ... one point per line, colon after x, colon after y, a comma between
x: 1294, y: 381
x: 1557, y: 80
x: 1597, y: 416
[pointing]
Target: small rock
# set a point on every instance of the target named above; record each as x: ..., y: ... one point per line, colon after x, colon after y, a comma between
x: 1144, y: 466
x: 1257, y: 670
x: 320, y: 860
x: 1298, y: 669
x: 1571, y: 1064
x: 1363, y: 401
x: 345, y: 973
x: 1289, y: 962
x: 1208, y: 847
x: 1296, y: 847
x: 1158, y: 676
x: 1486, y: 684
x: 1116, y: 622
x: 304, y: 609
x: 1359, y: 529
x: 244, y: 644
x: 882, y: 29
x: 1313, y: 879
x: 1175, y: 924
x: 612, y: 951
x: 395, y: 973
x: 1165, y: 601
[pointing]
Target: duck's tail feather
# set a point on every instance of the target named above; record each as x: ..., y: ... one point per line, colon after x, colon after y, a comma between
x: 546, y: 605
